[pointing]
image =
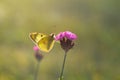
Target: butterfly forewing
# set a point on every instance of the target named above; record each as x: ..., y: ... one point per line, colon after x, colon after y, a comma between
x: 36, y: 37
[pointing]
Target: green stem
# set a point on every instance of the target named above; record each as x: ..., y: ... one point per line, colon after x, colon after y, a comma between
x: 36, y: 71
x: 61, y: 75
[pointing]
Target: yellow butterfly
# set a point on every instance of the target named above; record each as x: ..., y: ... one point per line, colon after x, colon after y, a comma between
x: 43, y: 41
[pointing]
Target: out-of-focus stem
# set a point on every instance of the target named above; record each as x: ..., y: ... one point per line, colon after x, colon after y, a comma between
x: 62, y: 70
x: 37, y: 70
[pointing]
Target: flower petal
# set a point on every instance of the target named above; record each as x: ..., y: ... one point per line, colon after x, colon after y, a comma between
x: 70, y: 35
x: 35, y: 48
x: 59, y: 36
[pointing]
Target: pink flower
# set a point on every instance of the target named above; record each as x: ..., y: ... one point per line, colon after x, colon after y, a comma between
x: 66, y: 39
x: 67, y: 34
x: 59, y: 36
x: 38, y: 55
x: 35, y: 48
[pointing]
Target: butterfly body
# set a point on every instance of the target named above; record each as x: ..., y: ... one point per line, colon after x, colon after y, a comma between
x: 43, y: 41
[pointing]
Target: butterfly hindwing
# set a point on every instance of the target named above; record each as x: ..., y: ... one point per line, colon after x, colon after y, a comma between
x: 46, y: 43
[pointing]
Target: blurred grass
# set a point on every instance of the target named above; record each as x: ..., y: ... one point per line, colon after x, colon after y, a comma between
x: 95, y: 55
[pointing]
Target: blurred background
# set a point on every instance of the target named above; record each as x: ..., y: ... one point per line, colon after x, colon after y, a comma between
x: 95, y: 56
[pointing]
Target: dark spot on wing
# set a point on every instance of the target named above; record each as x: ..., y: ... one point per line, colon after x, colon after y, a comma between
x: 41, y: 35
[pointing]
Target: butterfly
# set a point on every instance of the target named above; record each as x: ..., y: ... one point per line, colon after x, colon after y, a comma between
x: 43, y: 41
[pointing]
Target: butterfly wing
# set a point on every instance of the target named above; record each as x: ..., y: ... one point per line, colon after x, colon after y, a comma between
x: 46, y: 43
x: 36, y: 37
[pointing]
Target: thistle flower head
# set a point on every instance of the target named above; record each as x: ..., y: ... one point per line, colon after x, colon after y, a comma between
x: 66, y: 39
x: 38, y: 55
x: 60, y: 36
x: 67, y: 34
x: 35, y: 48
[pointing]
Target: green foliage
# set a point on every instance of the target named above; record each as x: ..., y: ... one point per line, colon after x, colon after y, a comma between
x: 95, y: 55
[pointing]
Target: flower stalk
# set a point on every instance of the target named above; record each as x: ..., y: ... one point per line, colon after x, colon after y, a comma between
x: 38, y: 57
x: 37, y: 70
x: 62, y: 70
x: 67, y: 42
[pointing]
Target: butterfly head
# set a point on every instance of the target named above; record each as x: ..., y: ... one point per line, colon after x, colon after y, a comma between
x: 52, y: 35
